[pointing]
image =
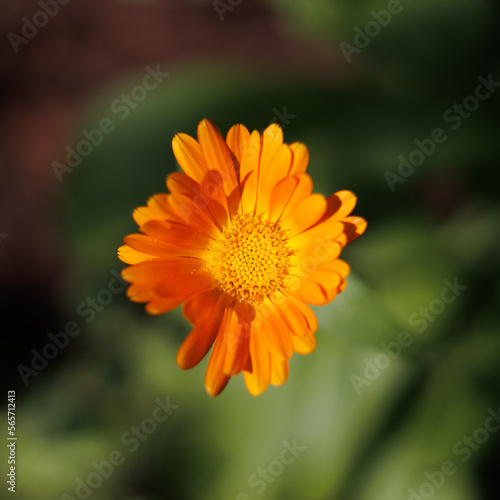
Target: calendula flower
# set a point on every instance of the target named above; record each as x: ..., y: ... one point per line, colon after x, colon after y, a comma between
x: 245, y: 245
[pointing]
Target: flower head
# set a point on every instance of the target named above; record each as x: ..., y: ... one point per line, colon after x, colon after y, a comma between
x: 245, y: 245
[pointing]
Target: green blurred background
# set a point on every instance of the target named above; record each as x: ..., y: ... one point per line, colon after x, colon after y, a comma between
x: 369, y: 426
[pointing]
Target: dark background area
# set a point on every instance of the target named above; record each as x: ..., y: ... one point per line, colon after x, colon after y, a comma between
x: 253, y: 63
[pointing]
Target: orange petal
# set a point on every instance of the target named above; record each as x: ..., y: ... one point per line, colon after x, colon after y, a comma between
x: 208, y: 195
x: 317, y: 235
x: 142, y: 215
x: 132, y: 256
x: 305, y: 344
x: 307, y: 290
x: 198, y: 342
x: 279, y: 371
x: 189, y: 156
x: 163, y: 305
x: 164, y: 268
x: 274, y: 329
x: 305, y: 214
x: 281, y: 195
x: 160, y: 248
x: 199, y: 307
x: 194, y: 213
x: 274, y: 165
x: 340, y: 205
x: 328, y: 281
x: 212, y: 187
x: 270, y: 174
x: 179, y: 183
x: 202, y: 208
x: 213, y: 195
x: 257, y: 380
x: 272, y: 140
x: 300, y: 158
x: 339, y: 266
x: 291, y: 315
x: 216, y: 154
x: 237, y: 139
x: 233, y: 201
x: 215, y: 378
x: 249, y: 172
x: 158, y: 209
x: 308, y: 313
x: 302, y: 191
x: 316, y: 254
x: 176, y: 234
x: 179, y: 283
x: 159, y: 204
x: 353, y: 228
x: 141, y: 292
x: 236, y: 333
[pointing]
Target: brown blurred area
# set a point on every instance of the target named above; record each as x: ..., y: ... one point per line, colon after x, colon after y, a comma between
x: 45, y: 81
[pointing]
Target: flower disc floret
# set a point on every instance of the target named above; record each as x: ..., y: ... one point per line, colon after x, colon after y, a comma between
x: 250, y: 260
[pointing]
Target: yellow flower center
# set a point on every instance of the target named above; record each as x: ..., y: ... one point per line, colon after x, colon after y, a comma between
x: 250, y: 259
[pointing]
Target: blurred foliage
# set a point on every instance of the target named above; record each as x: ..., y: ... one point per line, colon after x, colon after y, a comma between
x: 370, y: 443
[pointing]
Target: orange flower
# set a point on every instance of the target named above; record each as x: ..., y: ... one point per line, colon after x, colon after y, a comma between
x: 243, y: 243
